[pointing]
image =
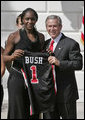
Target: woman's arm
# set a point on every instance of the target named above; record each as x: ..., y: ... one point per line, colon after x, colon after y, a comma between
x: 9, y: 48
x: 2, y: 66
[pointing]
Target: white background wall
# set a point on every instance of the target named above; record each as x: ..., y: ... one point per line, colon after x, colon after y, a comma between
x: 71, y: 13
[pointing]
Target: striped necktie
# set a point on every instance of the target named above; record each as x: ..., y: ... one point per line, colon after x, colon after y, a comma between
x: 51, y: 45
x: 53, y: 67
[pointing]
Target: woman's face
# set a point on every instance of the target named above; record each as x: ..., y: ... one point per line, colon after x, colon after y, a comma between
x: 19, y: 25
x: 29, y: 20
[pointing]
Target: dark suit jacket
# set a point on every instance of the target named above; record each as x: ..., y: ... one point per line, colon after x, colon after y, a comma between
x: 68, y: 53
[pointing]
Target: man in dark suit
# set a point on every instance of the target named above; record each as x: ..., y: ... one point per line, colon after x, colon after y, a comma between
x: 67, y: 58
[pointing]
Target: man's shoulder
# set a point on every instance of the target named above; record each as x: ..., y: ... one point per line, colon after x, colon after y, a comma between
x: 69, y: 40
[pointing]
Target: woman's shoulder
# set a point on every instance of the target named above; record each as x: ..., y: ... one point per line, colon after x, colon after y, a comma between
x: 41, y: 36
x: 13, y: 36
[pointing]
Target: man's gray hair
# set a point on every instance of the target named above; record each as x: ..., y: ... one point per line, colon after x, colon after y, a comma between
x: 54, y: 17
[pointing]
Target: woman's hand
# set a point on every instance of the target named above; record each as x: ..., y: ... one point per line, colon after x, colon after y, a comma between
x: 49, y: 51
x: 17, y: 53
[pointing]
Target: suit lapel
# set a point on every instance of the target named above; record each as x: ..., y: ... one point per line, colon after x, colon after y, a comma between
x: 48, y: 43
x: 59, y: 47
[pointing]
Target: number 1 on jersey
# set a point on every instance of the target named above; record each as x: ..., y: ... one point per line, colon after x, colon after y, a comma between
x: 34, y: 79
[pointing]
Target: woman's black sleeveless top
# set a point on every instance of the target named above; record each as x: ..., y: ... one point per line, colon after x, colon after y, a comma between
x: 26, y: 44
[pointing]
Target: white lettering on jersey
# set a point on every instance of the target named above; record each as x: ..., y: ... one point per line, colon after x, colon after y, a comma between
x: 33, y: 60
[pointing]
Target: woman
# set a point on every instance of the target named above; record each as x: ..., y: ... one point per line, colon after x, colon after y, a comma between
x: 2, y: 63
x: 2, y: 73
x: 24, y: 39
x: 19, y: 24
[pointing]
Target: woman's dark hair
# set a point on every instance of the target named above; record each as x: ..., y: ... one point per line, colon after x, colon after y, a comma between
x: 28, y: 10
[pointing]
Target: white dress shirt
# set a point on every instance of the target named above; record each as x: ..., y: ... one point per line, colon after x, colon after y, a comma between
x: 56, y: 40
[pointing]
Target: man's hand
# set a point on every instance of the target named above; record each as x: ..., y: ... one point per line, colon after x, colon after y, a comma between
x: 53, y: 60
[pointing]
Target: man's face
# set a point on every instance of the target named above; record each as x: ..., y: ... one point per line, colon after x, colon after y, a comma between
x: 53, y: 27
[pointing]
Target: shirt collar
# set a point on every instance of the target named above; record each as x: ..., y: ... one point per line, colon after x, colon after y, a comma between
x: 58, y: 37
